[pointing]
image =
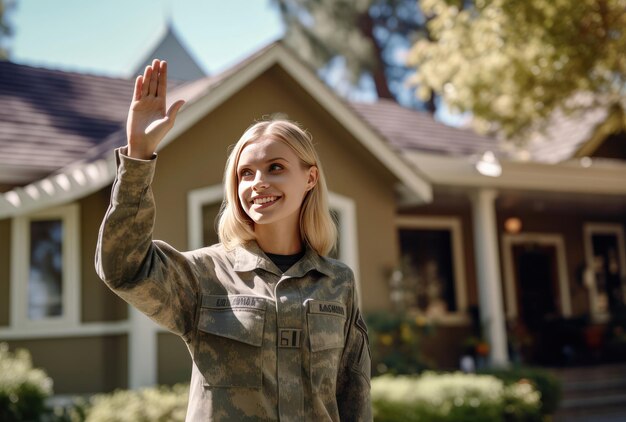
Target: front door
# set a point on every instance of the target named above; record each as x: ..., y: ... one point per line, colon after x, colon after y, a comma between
x: 537, y: 291
x: 538, y: 302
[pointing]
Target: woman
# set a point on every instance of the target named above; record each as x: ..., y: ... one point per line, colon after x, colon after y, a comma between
x: 272, y: 324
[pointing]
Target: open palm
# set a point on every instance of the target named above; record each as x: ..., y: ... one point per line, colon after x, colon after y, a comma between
x: 148, y: 121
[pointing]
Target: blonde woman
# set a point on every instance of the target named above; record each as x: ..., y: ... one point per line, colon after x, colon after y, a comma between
x: 271, y: 323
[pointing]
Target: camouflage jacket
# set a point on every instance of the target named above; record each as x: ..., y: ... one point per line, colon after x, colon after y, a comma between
x: 265, y: 345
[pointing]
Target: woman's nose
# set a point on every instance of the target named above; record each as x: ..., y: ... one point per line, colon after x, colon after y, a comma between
x: 259, y: 181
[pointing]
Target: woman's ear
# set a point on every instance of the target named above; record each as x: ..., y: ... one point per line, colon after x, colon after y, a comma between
x: 313, y: 176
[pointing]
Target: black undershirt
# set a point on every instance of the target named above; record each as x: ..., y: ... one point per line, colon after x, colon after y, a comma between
x: 284, y: 262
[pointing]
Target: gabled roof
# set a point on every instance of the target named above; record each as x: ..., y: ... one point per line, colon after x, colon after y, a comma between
x: 96, y: 167
x: 411, y: 130
x: 50, y: 118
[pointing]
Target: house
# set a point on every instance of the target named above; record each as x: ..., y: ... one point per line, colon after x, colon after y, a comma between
x: 538, y: 243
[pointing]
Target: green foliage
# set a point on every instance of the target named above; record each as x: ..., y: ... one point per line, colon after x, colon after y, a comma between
x: 395, y: 342
x: 453, y: 397
x: 512, y: 64
x: 159, y: 404
x: 361, y: 37
x: 23, y: 389
x: 5, y: 28
x: 547, y: 384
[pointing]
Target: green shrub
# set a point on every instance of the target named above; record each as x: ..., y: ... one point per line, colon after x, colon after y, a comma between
x: 546, y: 383
x: 158, y: 404
x: 23, y: 389
x: 453, y: 397
x: 395, y: 342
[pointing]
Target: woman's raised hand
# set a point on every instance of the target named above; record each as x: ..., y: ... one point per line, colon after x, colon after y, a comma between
x: 148, y: 122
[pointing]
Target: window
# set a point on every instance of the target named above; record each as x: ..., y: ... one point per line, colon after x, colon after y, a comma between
x: 431, y: 273
x: 45, y: 275
x: 45, y: 266
x: 606, y: 268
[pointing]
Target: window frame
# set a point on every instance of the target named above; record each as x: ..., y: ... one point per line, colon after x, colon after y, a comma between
x: 20, y: 268
x: 453, y: 224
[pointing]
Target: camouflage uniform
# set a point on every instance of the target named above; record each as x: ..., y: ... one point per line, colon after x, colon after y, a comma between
x: 265, y: 345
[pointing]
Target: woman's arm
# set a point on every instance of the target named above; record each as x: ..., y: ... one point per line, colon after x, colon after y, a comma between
x: 353, y: 378
x: 152, y: 276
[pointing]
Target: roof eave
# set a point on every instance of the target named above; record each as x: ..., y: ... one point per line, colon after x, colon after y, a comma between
x: 532, y: 176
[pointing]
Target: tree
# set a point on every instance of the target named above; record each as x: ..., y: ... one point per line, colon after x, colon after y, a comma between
x: 512, y: 64
x: 5, y: 29
x: 369, y: 38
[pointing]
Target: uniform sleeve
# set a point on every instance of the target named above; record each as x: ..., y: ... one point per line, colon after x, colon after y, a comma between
x: 353, y: 379
x: 150, y: 275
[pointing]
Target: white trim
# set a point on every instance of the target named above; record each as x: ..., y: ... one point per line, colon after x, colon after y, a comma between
x: 589, y: 229
x: 20, y: 259
x: 90, y: 329
x: 544, y: 239
x: 142, y: 350
x: 562, y: 177
x: 348, y: 235
x: 79, y: 180
x: 453, y: 224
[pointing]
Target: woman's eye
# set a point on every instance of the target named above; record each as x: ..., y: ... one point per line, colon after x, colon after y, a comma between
x: 275, y: 167
x: 245, y: 173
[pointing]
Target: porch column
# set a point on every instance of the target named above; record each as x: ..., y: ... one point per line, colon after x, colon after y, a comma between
x: 142, y: 350
x: 488, y: 267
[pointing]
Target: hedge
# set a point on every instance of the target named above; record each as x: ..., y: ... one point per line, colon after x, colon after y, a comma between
x: 453, y: 397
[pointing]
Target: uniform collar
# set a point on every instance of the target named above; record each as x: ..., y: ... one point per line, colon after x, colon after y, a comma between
x: 250, y: 256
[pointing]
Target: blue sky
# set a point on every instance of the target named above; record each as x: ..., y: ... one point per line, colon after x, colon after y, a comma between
x: 111, y: 37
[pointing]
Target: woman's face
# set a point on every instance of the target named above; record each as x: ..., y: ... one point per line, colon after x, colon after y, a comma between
x: 272, y: 182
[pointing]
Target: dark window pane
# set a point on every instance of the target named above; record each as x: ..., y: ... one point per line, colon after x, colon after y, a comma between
x: 428, y: 269
x: 209, y: 223
x: 606, y: 263
x: 45, y: 278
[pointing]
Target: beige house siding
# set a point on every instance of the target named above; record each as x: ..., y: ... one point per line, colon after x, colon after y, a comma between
x: 98, y: 303
x: 81, y: 365
x: 5, y: 270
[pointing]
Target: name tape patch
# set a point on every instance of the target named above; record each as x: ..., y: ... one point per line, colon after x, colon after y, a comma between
x: 329, y: 308
x: 228, y: 302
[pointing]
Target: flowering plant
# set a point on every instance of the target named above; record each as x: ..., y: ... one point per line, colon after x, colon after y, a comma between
x: 23, y: 389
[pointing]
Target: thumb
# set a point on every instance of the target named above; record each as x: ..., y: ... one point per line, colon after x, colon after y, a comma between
x: 173, y: 110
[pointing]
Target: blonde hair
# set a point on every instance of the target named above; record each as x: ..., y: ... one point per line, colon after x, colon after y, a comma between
x: 317, y: 228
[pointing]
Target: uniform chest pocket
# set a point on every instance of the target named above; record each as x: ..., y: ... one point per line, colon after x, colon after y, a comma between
x: 326, y: 325
x: 228, y: 352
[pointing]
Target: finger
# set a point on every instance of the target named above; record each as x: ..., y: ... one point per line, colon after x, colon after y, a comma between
x: 137, y: 92
x: 162, y: 85
x: 172, y: 112
x: 154, y: 77
x: 145, y: 83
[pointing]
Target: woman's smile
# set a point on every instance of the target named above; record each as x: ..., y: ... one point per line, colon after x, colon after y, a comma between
x: 264, y: 201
